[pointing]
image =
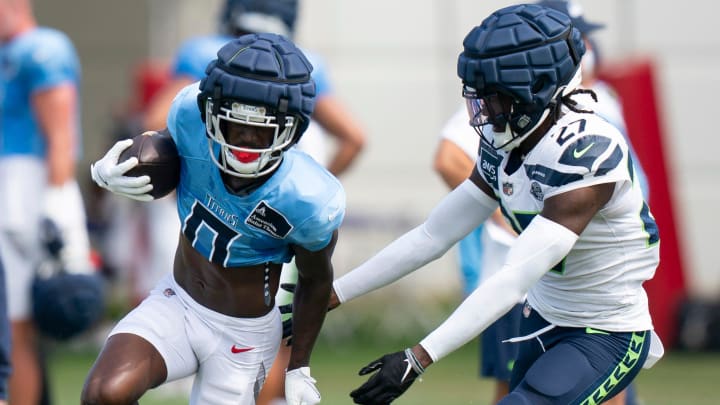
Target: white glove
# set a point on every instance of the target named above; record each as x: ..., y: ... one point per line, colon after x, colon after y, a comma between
x: 300, y: 387
x: 108, y: 174
x: 64, y: 206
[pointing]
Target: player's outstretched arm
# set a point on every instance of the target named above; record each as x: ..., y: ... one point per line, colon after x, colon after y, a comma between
x: 310, y: 302
x: 545, y: 242
x: 461, y: 211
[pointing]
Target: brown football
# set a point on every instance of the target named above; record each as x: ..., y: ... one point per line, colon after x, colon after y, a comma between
x: 158, y: 158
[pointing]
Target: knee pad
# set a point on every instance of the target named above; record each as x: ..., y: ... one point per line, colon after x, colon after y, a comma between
x: 558, y: 372
x: 516, y: 398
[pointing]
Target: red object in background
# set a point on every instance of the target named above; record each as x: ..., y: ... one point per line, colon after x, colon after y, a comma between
x: 149, y: 77
x: 635, y: 84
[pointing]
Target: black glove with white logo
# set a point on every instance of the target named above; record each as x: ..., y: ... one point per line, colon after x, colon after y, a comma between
x: 395, y: 374
x: 287, y: 309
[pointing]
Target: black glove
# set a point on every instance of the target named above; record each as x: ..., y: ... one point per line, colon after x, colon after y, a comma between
x: 287, y: 309
x: 397, y: 372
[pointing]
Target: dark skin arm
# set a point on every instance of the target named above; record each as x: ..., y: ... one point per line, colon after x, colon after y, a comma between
x: 332, y: 115
x: 573, y: 210
x: 310, y: 303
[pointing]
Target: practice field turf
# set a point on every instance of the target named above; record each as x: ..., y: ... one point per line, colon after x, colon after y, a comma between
x: 679, y: 379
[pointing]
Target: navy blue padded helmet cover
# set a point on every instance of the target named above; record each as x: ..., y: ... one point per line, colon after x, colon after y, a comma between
x: 262, y: 69
x: 286, y: 10
x: 526, y: 51
x: 66, y: 305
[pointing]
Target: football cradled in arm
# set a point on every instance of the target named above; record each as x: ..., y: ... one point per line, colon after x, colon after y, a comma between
x: 143, y: 168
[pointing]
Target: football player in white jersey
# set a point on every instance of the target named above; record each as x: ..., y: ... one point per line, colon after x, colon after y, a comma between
x: 565, y: 182
x: 248, y: 202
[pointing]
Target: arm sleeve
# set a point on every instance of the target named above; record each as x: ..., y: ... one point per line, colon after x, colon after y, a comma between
x: 455, y: 216
x: 542, y: 245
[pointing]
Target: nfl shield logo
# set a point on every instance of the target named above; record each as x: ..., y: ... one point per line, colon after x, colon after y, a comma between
x: 507, y: 188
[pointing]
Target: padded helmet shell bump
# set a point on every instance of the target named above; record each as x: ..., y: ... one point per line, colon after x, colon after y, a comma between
x: 259, y: 80
x: 528, y: 52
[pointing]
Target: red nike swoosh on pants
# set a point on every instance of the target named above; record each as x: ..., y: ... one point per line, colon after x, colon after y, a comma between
x: 236, y: 350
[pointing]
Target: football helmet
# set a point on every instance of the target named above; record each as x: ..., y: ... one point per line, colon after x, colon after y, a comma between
x: 64, y: 304
x: 260, y: 80
x: 526, y: 53
x: 240, y: 17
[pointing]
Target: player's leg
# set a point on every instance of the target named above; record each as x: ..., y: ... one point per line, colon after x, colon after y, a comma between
x: 25, y: 378
x: 4, y: 339
x: 22, y: 181
x: 146, y: 348
x: 235, y: 355
x: 126, y: 368
x: 573, y: 365
x: 498, y: 358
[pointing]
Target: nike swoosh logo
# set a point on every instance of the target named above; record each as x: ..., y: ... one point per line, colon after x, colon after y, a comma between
x: 591, y: 331
x: 237, y: 350
x: 407, y: 370
x: 332, y: 216
x: 577, y: 154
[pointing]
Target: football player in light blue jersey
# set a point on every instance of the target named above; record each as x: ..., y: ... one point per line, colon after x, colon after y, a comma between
x: 564, y: 179
x: 39, y: 148
x: 331, y: 119
x: 248, y: 202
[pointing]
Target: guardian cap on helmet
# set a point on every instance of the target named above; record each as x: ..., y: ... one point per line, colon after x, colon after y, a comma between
x: 527, y: 53
x: 260, y: 80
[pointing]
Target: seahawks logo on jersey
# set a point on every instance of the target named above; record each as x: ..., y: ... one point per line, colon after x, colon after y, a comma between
x: 582, y: 151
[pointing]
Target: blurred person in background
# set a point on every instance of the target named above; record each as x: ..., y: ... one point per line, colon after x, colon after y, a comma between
x: 5, y: 365
x: 239, y: 17
x: 482, y: 252
x: 331, y: 121
x: 608, y: 104
x: 249, y: 202
x: 39, y: 147
x: 563, y: 178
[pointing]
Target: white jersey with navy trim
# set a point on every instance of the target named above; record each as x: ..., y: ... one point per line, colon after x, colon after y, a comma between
x: 599, y: 283
x: 301, y: 204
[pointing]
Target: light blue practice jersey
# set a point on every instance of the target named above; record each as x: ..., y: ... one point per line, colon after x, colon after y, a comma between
x: 36, y: 60
x: 301, y: 204
x: 196, y: 53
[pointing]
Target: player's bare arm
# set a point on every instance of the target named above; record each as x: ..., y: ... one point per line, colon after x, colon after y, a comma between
x: 451, y: 163
x: 574, y: 209
x: 315, y: 275
x: 332, y: 115
x: 54, y: 109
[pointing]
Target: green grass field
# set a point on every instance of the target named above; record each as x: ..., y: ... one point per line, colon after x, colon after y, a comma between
x: 678, y: 379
